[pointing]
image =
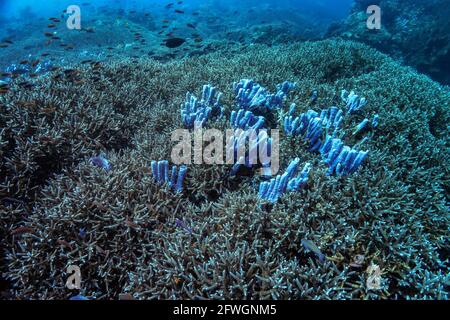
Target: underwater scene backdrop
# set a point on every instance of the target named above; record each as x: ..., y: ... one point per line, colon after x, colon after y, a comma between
x: 349, y: 98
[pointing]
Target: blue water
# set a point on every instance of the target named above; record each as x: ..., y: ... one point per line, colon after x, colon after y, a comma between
x: 122, y: 28
x: 329, y: 9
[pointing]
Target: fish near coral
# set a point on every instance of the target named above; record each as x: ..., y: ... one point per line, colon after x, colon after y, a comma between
x: 181, y: 224
x: 21, y: 230
x: 310, y: 246
x: 174, y: 42
x: 101, y: 162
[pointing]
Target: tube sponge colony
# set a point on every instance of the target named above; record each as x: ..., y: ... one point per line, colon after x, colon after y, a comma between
x: 273, y: 190
x: 353, y: 102
x: 253, y: 97
x: 174, y: 179
x: 211, y: 97
x: 311, y: 126
x: 259, y: 144
x: 196, y: 113
x: 341, y: 159
x: 286, y: 87
x: 246, y: 120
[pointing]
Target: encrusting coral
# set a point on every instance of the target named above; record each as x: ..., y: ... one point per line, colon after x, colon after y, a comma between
x: 217, y: 238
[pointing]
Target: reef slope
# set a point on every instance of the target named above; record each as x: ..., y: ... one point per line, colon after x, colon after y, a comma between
x: 394, y: 211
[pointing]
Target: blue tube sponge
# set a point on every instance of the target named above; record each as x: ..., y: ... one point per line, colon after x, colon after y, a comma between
x: 300, y: 181
x: 211, y: 98
x: 273, y: 190
x: 286, y: 87
x: 341, y: 159
x: 332, y: 119
x: 246, y: 120
x: 361, y: 126
x: 353, y: 102
x: 253, y: 97
x: 173, y: 178
x: 195, y: 113
x: 259, y: 143
x: 375, y: 121
x: 181, y: 175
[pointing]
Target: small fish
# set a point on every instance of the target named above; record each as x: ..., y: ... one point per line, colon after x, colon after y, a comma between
x: 125, y: 296
x: 190, y: 25
x: 64, y: 243
x: 181, y: 224
x: 174, y: 42
x: 21, y: 230
x: 51, y: 25
x: 82, y: 233
x: 70, y: 71
x: 101, y: 162
x: 314, y: 96
x: 309, y: 245
x: 179, y: 11
x: 131, y: 224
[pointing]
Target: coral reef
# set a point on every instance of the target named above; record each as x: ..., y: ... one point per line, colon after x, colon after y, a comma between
x: 216, y: 239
